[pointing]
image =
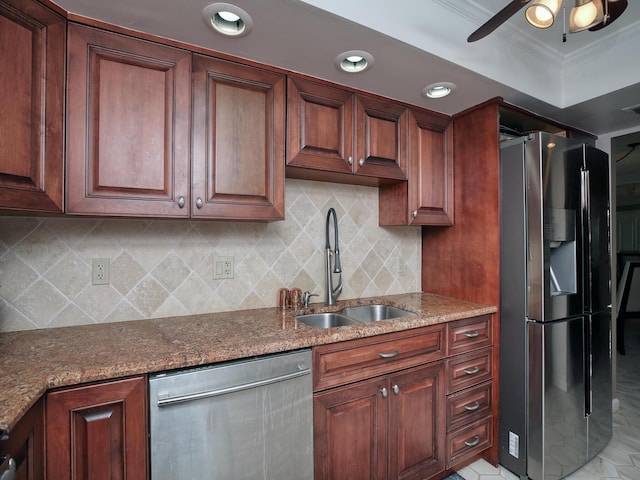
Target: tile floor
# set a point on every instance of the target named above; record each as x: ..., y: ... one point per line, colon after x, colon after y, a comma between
x: 621, y: 458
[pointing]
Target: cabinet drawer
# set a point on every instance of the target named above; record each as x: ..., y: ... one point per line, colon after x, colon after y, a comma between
x: 469, y: 369
x: 468, y: 334
x: 468, y: 406
x: 469, y: 441
x: 349, y: 361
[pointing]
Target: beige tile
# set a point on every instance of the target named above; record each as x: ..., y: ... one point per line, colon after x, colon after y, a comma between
x: 15, y: 276
x: 97, y: 301
x: 40, y: 303
x: 171, y: 272
x: 147, y: 296
x: 70, y: 275
x: 69, y: 316
x: 12, y: 320
x: 14, y: 229
x: 41, y: 249
x: 125, y: 273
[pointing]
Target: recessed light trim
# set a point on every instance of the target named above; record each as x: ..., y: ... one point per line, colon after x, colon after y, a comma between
x: 227, y: 19
x: 438, y: 90
x: 354, y: 61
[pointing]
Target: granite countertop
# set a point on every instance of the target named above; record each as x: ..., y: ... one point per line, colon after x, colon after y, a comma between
x: 36, y: 360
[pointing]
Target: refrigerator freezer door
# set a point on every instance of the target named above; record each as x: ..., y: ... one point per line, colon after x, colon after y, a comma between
x: 557, y: 437
x: 599, y: 404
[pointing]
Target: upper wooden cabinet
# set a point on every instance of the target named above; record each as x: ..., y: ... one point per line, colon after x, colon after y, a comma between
x: 333, y: 134
x: 238, y: 141
x: 128, y: 109
x: 427, y: 197
x: 32, y: 42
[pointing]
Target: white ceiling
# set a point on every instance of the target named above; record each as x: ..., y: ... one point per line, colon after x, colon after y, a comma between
x: 584, y: 82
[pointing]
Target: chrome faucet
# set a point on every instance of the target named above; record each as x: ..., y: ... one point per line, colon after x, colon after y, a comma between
x: 332, y: 293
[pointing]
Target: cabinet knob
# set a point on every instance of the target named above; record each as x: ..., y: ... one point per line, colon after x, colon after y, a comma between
x: 199, y: 202
x: 361, y: 162
x: 350, y: 160
x: 181, y: 201
x: 396, y: 389
x: 383, y: 392
x: 414, y: 213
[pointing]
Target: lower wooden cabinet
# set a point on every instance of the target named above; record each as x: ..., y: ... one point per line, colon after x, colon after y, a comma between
x: 98, y: 431
x: 386, y: 427
x: 409, y: 405
x: 25, y: 444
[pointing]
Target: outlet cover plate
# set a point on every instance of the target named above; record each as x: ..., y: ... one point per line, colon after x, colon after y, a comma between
x: 100, y: 271
x: 222, y: 268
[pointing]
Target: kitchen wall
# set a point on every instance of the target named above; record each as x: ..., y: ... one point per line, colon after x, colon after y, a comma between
x: 164, y: 268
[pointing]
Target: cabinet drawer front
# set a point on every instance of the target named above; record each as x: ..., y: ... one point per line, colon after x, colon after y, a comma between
x: 468, y: 334
x: 469, y: 441
x: 469, y: 369
x: 345, y: 362
x: 468, y: 406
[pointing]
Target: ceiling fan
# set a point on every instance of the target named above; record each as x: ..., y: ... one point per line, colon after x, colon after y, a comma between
x: 541, y: 13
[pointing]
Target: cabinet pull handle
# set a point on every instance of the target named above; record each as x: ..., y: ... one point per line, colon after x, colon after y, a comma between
x: 361, y: 162
x: 181, y: 201
x: 199, y: 202
x: 472, y: 443
x: 396, y: 389
x: 389, y: 355
x: 471, y: 408
x: 472, y: 371
x: 350, y: 160
x: 415, y: 213
x: 383, y: 392
x: 472, y: 334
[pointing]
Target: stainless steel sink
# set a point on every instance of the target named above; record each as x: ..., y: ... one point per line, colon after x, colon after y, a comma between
x: 374, y: 313
x: 326, y: 320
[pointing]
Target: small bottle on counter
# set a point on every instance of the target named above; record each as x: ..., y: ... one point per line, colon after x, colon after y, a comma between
x: 283, y: 298
x: 295, y: 298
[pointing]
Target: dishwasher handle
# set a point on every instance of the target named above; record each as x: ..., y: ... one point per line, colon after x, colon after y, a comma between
x: 165, y: 400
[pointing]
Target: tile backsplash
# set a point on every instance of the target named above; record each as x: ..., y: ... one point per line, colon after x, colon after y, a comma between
x: 162, y: 268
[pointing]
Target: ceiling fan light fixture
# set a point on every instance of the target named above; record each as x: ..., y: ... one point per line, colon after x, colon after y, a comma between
x: 542, y: 13
x: 585, y: 14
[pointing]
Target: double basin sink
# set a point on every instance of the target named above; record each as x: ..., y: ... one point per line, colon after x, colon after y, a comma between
x: 353, y: 316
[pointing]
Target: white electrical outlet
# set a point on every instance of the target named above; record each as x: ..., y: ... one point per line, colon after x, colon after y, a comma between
x: 100, y: 271
x: 222, y: 268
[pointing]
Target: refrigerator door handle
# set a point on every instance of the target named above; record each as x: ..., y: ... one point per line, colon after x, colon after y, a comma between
x: 586, y: 232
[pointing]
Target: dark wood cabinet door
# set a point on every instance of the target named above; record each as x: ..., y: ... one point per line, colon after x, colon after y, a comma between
x: 381, y: 138
x: 26, y: 444
x: 238, y: 141
x: 350, y: 432
x: 319, y: 127
x: 417, y: 423
x: 32, y: 42
x: 427, y: 197
x: 431, y: 171
x: 98, y: 431
x: 128, y: 109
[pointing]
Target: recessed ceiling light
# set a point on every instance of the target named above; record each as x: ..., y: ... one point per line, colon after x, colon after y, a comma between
x: 227, y: 19
x: 354, y: 61
x: 438, y: 90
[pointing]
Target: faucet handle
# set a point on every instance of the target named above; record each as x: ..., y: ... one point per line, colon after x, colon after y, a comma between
x: 306, y: 296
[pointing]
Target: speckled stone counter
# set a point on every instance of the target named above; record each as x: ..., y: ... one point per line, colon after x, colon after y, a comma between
x: 33, y: 361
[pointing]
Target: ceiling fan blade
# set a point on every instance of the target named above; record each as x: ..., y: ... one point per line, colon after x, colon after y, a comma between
x: 498, y: 19
x: 615, y: 10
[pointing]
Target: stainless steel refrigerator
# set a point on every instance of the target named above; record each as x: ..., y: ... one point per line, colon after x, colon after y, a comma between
x: 555, y: 307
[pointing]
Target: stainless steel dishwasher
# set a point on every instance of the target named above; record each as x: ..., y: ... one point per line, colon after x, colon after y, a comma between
x: 250, y: 419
